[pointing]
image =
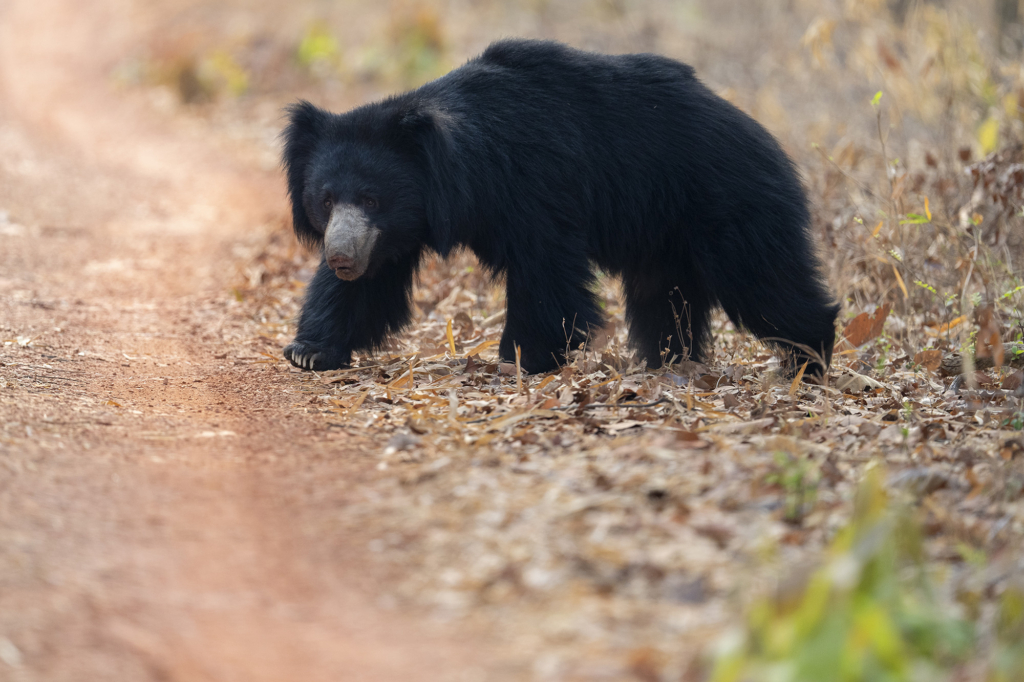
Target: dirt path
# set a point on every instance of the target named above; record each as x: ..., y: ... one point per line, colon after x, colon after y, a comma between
x: 161, y: 502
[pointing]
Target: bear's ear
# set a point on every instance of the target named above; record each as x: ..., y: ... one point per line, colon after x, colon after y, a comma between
x: 419, y: 120
x: 415, y: 121
x: 307, y: 126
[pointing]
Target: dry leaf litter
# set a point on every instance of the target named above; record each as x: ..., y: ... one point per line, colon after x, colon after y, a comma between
x: 603, y: 514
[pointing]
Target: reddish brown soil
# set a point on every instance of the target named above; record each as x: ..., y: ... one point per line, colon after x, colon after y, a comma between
x: 163, y: 506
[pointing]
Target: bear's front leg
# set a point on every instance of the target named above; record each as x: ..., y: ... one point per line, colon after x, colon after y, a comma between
x: 341, y: 316
x: 549, y: 310
x: 322, y: 340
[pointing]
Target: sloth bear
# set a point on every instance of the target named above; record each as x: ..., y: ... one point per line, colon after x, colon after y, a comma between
x: 546, y: 161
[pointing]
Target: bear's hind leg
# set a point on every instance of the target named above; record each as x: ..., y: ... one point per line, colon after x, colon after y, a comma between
x: 668, y: 321
x: 784, y: 303
x: 549, y: 309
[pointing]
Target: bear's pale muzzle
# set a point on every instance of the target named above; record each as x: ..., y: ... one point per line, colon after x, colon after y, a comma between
x: 349, y: 241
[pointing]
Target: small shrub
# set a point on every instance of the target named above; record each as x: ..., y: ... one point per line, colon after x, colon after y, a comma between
x: 869, y: 614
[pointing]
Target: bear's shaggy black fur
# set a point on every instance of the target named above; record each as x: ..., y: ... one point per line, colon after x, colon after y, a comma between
x: 547, y: 161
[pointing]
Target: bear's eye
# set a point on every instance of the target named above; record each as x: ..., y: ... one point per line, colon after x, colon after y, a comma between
x: 370, y: 202
x: 328, y: 203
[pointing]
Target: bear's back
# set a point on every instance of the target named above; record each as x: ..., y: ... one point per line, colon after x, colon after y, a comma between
x: 551, y: 57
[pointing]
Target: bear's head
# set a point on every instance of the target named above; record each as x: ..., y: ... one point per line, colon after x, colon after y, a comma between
x: 357, y: 184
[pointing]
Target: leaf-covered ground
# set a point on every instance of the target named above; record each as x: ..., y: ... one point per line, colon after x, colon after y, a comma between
x: 606, y: 516
x: 607, y: 511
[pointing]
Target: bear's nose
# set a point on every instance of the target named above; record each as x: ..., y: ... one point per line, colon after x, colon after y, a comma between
x: 339, y: 262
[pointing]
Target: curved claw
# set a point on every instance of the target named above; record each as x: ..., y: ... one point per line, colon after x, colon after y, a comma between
x: 311, y: 359
x: 300, y: 357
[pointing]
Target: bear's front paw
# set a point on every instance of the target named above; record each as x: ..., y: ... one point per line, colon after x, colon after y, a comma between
x: 308, y: 357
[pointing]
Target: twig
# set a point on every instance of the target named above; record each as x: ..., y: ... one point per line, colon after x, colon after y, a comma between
x: 659, y: 401
x: 572, y: 407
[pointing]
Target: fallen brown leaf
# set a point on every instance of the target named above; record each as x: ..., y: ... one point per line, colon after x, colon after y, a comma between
x: 866, y: 326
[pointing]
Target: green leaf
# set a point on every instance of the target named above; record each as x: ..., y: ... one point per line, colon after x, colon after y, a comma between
x: 915, y: 219
x: 1011, y: 292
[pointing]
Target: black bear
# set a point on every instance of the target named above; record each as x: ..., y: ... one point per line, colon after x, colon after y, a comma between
x: 546, y: 161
